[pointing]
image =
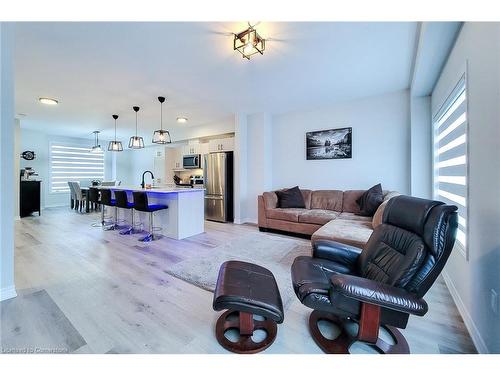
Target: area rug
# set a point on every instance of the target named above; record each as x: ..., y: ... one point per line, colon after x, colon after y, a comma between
x: 270, y: 251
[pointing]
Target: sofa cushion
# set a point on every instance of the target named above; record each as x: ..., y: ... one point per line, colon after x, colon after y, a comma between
x: 290, y: 198
x: 377, y: 217
x: 317, y: 216
x: 351, y: 216
x: 270, y: 199
x: 306, y: 194
x: 286, y: 214
x: 349, y: 202
x: 350, y: 232
x: 370, y: 200
x: 327, y: 200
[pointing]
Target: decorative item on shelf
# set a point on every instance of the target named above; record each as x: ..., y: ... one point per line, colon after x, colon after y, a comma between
x: 97, y: 147
x: 249, y: 42
x: 115, y: 145
x: 28, y: 155
x: 136, y: 142
x: 161, y: 136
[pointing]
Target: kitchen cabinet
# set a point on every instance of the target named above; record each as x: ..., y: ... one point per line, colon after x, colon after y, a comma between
x: 173, y: 162
x: 223, y: 144
x: 195, y: 148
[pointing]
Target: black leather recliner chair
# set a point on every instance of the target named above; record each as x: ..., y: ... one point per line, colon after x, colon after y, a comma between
x: 382, y: 284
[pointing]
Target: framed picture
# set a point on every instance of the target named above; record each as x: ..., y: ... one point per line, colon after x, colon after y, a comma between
x: 329, y: 144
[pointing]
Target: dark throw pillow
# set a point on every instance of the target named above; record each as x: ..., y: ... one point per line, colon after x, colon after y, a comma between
x: 290, y: 198
x: 370, y: 200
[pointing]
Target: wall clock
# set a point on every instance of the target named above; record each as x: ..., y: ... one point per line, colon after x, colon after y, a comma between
x: 28, y: 155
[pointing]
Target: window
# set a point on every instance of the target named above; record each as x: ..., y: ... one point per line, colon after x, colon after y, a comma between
x: 73, y: 163
x: 450, y: 156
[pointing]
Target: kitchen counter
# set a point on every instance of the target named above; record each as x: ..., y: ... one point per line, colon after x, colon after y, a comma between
x: 185, y: 216
x: 156, y: 189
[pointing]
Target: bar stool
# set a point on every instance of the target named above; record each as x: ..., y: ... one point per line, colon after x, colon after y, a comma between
x: 141, y: 204
x: 94, y: 200
x: 122, y: 202
x: 106, y: 200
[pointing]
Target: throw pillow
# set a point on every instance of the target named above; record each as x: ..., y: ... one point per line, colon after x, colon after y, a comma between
x: 370, y: 200
x: 290, y: 198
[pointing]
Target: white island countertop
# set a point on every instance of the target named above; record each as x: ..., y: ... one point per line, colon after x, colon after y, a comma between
x: 155, y: 189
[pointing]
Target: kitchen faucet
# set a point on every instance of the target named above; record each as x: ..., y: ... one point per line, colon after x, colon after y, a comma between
x: 153, y: 177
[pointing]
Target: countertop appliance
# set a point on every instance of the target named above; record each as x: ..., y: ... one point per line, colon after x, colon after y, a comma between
x: 196, y: 180
x: 191, y: 161
x: 218, y: 179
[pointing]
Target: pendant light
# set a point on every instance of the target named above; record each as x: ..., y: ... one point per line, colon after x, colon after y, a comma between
x: 115, y: 145
x: 97, y: 147
x: 161, y: 136
x: 136, y: 142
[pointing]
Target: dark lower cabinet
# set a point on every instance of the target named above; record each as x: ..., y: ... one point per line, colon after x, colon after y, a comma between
x: 29, y: 198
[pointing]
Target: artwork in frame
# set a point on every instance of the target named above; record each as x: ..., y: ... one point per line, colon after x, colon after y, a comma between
x: 329, y: 144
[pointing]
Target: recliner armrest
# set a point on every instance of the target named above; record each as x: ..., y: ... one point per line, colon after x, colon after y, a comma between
x: 336, y: 251
x: 376, y: 293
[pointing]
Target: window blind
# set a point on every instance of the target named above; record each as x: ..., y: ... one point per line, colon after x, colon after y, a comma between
x: 450, y: 155
x: 73, y: 163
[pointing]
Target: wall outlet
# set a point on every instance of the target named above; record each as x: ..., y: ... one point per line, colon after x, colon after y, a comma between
x: 494, y: 301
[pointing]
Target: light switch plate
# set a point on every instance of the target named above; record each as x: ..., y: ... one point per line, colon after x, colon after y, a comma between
x: 494, y: 301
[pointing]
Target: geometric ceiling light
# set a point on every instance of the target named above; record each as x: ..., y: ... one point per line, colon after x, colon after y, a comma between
x: 249, y: 42
x: 115, y: 145
x: 97, y: 147
x: 135, y: 141
x: 161, y: 136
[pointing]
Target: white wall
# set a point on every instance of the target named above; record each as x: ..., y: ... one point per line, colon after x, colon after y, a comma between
x: 259, y: 159
x: 421, y: 147
x: 7, y: 149
x: 380, y: 145
x: 40, y: 143
x: 470, y: 280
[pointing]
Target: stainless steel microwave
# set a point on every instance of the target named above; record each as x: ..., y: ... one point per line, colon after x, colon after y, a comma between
x: 191, y: 161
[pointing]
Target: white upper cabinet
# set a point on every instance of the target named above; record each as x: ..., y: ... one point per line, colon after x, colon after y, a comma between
x: 223, y: 144
x: 195, y: 148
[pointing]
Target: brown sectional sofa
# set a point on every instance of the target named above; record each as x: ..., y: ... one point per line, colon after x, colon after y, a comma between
x: 329, y: 214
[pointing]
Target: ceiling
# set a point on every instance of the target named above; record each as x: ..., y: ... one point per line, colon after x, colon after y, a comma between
x: 99, y: 69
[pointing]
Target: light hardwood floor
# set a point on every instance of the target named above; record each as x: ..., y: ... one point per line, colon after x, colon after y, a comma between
x: 89, y: 291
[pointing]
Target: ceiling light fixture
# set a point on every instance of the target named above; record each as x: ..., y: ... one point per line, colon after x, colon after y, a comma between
x: 249, y: 42
x: 97, y: 147
x: 182, y: 120
x: 161, y: 136
x: 136, y: 141
x: 48, y: 101
x: 115, y: 145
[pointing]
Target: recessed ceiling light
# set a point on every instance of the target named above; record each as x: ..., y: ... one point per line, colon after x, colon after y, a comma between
x: 48, y: 101
x: 182, y: 120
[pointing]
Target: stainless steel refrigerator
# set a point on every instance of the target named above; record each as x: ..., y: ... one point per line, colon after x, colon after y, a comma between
x: 218, y: 180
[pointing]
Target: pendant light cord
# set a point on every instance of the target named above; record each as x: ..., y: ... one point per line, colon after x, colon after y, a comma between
x: 136, y: 124
x: 161, y: 116
x: 115, y: 130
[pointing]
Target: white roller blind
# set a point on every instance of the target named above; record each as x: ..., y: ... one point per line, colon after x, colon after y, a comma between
x: 73, y: 163
x: 450, y: 155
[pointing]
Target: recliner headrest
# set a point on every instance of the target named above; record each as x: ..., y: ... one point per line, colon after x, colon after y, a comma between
x: 409, y: 213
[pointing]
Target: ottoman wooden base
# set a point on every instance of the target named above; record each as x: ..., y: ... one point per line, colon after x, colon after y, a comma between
x: 246, y: 325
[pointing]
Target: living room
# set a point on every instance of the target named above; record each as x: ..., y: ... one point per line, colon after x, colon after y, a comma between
x: 292, y: 187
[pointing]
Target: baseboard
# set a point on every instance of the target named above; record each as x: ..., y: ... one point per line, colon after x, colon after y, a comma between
x: 16, y: 218
x: 469, y: 323
x: 8, y: 293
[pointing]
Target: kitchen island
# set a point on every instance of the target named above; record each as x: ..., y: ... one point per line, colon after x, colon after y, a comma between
x: 185, y: 214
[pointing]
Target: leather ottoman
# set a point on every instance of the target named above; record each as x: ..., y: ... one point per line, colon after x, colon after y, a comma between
x: 244, y: 290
